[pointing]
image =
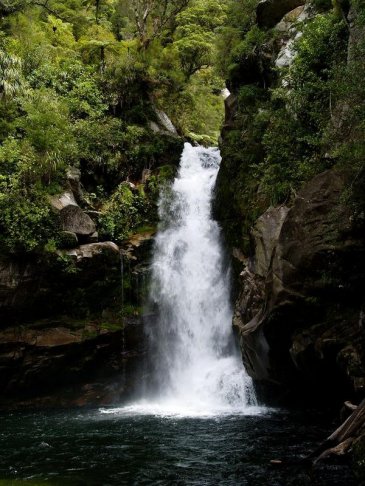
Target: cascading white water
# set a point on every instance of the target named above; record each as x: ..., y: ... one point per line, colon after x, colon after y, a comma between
x: 196, y: 369
x: 196, y: 363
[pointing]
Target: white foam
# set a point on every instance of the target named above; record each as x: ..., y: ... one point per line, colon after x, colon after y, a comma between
x: 174, y: 409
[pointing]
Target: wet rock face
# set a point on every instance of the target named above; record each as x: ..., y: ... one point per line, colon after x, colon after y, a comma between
x: 73, y: 281
x: 70, y: 333
x: 356, y: 30
x: 17, y: 285
x: 68, y: 363
x: 266, y: 233
x: 304, y: 292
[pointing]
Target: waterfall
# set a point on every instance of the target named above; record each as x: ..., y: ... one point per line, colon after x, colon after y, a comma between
x: 195, y: 366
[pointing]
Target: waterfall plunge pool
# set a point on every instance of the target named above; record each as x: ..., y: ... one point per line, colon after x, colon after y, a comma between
x: 73, y: 448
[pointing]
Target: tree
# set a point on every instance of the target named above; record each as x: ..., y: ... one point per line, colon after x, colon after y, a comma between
x: 153, y: 16
x: 97, y: 41
x: 195, y: 51
x: 8, y: 7
x: 195, y: 33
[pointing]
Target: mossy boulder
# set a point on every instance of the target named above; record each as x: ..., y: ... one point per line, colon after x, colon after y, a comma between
x: 74, y: 219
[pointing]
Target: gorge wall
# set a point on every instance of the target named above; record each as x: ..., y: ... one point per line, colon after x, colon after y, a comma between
x: 297, y: 242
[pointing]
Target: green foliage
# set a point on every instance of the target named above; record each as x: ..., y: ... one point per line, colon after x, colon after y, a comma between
x: 79, y: 86
x: 159, y: 180
x: 46, y: 124
x: 124, y: 212
x: 26, y: 221
x: 241, y: 16
x: 322, y: 46
x: 10, y: 75
x: 198, y: 109
x: 195, y: 34
x: 296, y: 119
x: 251, y: 45
x: 345, y: 134
x: 100, y: 147
x: 75, y: 83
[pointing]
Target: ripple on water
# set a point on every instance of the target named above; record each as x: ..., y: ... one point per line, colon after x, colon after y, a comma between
x: 119, y: 447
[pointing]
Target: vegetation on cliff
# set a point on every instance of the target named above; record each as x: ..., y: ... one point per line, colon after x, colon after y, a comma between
x: 297, y: 108
x: 84, y: 85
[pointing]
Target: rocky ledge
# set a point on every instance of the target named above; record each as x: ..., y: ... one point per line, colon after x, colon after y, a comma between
x: 69, y: 363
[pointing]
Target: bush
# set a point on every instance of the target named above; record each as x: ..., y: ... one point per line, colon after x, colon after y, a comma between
x: 124, y: 212
x: 26, y: 221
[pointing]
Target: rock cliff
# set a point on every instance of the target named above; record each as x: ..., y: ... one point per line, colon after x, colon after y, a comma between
x: 300, y: 308
x: 299, y: 258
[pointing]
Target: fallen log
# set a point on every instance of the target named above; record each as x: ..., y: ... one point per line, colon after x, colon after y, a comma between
x: 339, y: 450
x: 340, y: 441
x: 350, y: 406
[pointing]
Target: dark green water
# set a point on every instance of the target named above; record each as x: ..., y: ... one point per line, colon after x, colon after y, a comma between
x: 91, y: 448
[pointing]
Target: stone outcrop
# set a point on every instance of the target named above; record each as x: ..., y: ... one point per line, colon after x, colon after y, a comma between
x: 66, y: 337
x: 63, y: 200
x: 289, y: 33
x: 71, y: 332
x: 163, y: 124
x: 85, y: 277
x: 299, y: 312
x: 65, y: 363
x: 270, y: 12
x: 92, y: 250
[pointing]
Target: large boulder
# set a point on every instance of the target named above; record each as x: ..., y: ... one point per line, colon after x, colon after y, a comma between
x: 63, y: 200
x: 307, y: 285
x: 74, y: 219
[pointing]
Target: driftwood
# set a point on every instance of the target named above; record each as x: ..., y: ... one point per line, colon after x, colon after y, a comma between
x: 339, y: 450
x: 340, y: 441
x: 350, y: 406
